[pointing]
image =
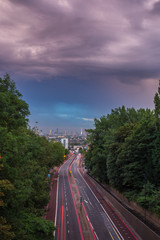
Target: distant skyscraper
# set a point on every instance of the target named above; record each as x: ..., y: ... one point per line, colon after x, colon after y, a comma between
x: 81, y: 132
x: 51, y: 132
x: 64, y: 141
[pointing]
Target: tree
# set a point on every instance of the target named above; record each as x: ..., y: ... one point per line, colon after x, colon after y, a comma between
x: 124, y: 149
x: 6, y: 232
x: 95, y: 156
x: 157, y: 103
x: 26, y: 160
x: 13, y: 110
x: 156, y: 143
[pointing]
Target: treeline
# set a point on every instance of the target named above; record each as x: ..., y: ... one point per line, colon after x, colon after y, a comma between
x: 124, y: 152
x: 25, y: 160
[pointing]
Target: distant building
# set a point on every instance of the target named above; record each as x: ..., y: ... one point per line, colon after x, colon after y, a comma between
x: 81, y: 132
x: 64, y: 142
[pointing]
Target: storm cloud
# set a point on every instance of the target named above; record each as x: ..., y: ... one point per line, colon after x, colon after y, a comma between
x: 106, y: 47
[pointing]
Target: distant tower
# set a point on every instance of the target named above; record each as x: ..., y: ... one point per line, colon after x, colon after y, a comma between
x: 64, y: 142
x: 81, y: 132
x: 50, y: 132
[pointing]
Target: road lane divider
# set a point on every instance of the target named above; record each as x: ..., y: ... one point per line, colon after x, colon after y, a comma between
x: 80, y: 229
x: 91, y: 227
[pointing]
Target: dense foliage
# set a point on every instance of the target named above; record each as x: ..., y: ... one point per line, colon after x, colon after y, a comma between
x: 124, y: 151
x: 25, y: 160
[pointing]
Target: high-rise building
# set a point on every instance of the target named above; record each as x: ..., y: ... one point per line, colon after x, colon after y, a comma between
x: 64, y: 142
x: 81, y: 132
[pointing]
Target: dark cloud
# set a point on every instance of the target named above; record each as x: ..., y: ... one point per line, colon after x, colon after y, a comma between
x: 88, y: 45
x: 156, y: 8
x: 53, y: 36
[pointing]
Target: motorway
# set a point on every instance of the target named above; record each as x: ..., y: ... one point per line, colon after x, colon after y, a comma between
x: 103, y: 224
x: 67, y: 220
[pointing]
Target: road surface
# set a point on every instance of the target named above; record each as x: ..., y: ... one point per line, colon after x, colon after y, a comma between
x: 105, y: 226
x: 67, y: 220
x: 103, y: 220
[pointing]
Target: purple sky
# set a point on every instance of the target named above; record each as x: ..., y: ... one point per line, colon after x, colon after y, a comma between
x: 74, y: 60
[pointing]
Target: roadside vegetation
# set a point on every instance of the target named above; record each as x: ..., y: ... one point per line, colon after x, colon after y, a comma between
x: 25, y: 160
x: 124, y: 152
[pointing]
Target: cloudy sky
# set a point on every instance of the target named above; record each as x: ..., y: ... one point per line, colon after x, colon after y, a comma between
x: 74, y: 60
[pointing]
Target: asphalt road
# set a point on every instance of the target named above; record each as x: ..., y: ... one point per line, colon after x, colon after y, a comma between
x: 67, y: 220
x: 104, y: 222
x: 104, y: 227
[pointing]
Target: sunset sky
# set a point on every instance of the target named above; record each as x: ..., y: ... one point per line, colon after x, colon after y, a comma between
x: 75, y: 60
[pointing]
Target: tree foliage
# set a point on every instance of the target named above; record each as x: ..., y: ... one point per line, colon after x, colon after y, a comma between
x: 13, y: 110
x: 124, y: 151
x: 25, y: 160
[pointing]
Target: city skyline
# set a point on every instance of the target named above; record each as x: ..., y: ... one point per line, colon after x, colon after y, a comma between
x: 75, y: 60
x: 62, y: 132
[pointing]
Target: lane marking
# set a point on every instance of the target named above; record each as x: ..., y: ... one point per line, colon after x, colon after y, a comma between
x: 111, y: 235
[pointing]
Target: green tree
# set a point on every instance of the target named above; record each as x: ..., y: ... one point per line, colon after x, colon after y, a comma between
x: 6, y: 232
x: 126, y: 145
x: 156, y: 143
x: 26, y: 159
x: 58, y: 152
x: 95, y: 156
x: 157, y: 105
x: 13, y: 110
